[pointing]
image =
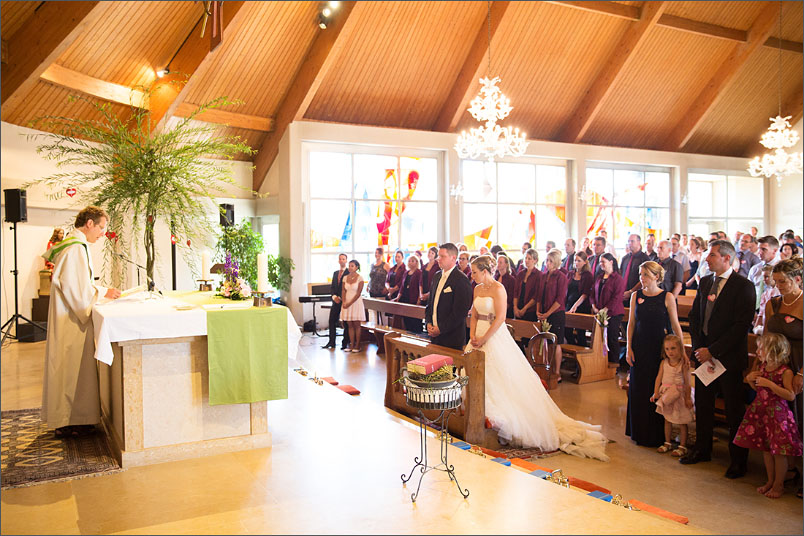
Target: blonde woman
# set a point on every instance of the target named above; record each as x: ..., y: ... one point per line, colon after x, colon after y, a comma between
x: 517, y: 404
x: 651, y: 310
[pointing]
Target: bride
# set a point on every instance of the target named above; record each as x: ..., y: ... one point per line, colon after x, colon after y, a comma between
x: 517, y: 404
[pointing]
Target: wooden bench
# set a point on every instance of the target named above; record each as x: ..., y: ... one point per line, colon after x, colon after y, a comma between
x: 397, y: 309
x: 469, y: 421
x: 593, y: 363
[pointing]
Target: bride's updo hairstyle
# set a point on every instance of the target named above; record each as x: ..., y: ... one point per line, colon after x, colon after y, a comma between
x: 484, y: 263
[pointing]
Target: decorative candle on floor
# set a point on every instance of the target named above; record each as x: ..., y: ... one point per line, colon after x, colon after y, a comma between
x: 262, y: 272
x: 205, y: 265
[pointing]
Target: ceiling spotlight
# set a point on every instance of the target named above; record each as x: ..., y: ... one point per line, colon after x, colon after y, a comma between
x: 162, y: 72
x: 322, y: 21
x: 334, y: 5
x: 326, y: 12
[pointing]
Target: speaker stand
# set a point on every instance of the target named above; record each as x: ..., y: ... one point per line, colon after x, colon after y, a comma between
x: 15, y: 320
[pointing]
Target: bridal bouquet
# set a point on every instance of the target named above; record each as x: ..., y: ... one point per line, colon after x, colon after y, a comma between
x: 233, y: 286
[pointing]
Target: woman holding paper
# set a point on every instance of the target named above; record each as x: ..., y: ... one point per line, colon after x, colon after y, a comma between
x: 652, y: 312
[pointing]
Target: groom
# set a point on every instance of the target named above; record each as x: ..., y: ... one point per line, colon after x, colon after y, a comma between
x: 450, y: 301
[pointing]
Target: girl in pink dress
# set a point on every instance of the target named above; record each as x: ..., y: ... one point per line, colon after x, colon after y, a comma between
x: 673, y: 393
x: 769, y: 424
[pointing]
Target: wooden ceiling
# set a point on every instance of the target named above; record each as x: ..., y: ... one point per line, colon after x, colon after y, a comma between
x: 698, y: 77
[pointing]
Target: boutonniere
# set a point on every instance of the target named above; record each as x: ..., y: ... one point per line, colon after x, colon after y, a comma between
x: 789, y: 319
x: 711, y: 297
x: 640, y: 301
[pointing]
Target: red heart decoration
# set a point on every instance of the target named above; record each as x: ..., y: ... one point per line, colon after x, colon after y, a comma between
x: 188, y: 243
x: 111, y: 234
x: 789, y: 319
x: 173, y: 239
x: 71, y: 191
x: 640, y: 301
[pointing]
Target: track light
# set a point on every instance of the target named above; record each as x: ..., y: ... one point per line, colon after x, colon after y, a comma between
x: 334, y: 5
x: 327, y: 10
x: 322, y: 21
x: 162, y: 72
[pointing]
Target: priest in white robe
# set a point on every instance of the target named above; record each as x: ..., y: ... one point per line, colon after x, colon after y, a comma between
x: 71, y: 396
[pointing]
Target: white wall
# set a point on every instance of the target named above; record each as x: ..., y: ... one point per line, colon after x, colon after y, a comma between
x: 287, y: 179
x: 19, y: 164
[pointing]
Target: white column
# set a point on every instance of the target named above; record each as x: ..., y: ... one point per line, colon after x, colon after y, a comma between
x: 453, y: 219
x: 576, y: 207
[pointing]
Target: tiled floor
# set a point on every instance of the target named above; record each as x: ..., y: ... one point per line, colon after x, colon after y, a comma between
x: 335, y: 466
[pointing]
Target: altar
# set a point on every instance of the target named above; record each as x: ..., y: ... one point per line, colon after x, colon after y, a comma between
x: 155, y: 361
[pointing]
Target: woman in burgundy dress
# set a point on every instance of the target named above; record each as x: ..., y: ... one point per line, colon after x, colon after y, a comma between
x: 579, y: 292
x: 429, y: 271
x: 554, y: 296
x: 528, y: 287
x: 409, y: 292
x: 507, y: 280
x: 607, y: 293
x: 395, y: 275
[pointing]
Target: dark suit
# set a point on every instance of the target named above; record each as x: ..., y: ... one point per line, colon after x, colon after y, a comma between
x: 453, y: 308
x: 335, y: 312
x: 568, y: 264
x: 594, y: 265
x: 727, y: 340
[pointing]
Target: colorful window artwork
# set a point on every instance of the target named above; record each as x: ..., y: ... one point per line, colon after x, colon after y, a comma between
x: 361, y: 201
x: 626, y: 201
x: 722, y: 202
x: 511, y: 203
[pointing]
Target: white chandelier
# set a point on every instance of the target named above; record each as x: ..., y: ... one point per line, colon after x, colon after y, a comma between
x: 779, y: 137
x: 778, y: 162
x: 488, y: 107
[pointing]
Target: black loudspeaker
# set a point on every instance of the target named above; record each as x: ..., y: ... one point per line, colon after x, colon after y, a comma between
x: 16, y: 205
x: 227, y: 215
x: 30, y: 333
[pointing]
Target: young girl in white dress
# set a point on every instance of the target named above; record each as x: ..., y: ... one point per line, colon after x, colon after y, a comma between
x: 673, y: 394
x: 517, y: 404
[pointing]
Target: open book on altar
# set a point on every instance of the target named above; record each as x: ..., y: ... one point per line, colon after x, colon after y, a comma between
x: 133, y: 290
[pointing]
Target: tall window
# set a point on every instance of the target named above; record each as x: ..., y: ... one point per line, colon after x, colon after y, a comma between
x: 724, y: 202
x: 508, y: 204
x: 361, y: 201
x: 622, y: 200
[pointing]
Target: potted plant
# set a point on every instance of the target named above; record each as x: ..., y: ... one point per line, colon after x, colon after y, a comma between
x: 140, y: 175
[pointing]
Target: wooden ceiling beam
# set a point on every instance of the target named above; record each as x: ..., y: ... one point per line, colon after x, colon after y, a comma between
x: 466, y: 85
x: 109, y: 91
x: 680, y: 23
x: 46, y: 34
x: 3, y: 51
x: 590, y: 105
x: 318, y: 61
x: 189, y: 64
x: 690, y: 120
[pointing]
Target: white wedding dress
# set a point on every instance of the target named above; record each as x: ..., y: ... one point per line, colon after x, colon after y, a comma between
x: 517, y: 404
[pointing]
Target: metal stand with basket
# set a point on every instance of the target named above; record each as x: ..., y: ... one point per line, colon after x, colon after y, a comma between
x: 445, y: 397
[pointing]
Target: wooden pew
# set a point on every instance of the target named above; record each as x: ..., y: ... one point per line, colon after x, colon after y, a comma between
x: 593, y: 363
x: 469, y: 421
x: 398, y: 310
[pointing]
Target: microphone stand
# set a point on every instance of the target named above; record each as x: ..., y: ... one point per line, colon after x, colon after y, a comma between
x: 152, y: 290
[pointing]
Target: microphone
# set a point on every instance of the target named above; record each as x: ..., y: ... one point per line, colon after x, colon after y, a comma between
x: 151, y: 282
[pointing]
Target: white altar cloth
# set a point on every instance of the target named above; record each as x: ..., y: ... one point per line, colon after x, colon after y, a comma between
x: 135, y: 317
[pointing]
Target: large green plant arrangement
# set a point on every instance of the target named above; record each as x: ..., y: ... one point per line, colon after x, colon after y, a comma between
x: 142, y: 175
x: 244, y: 244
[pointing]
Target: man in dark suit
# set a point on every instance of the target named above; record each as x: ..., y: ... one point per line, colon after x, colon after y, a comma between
x: 450, y: 301
x: 599, y: 248
x: 568, y: 264
x: 335, y: 312
x: 720, y: 319
x: 629, y: 267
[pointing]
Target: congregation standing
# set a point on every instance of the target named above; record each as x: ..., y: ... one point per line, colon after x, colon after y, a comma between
x: 753, y: 284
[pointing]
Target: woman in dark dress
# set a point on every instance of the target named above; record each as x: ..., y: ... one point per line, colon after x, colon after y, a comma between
x: 695, y: 261
x: 651, y: 312
x: 579, y: 291
x: 784, y: 315
x: 507, y: 280
x: 409, y: 292
x: 528, y: 287
x: 607, y: 293
x: 554, y: 296
x: 395, y: 274
x: 428, y: 272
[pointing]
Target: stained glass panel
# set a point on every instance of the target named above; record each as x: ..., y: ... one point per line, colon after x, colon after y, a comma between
x: 629, y: 188
x: 550, y: 225
x: 419, y: 224
x: 599, y: 189
x: 517, y: 225
x: 419, y: 178
x: 331, y: 226
x: 657, y: 189
x: 479, y: 225
x: 376, y: 176
x: 551, y: 182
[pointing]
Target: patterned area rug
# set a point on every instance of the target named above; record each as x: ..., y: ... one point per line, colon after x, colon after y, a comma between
x: 526, y: 454
x: 31, y: 454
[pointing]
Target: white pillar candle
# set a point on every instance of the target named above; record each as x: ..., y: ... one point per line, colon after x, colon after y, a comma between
x: 262, y: 272
x: 205, y: 265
